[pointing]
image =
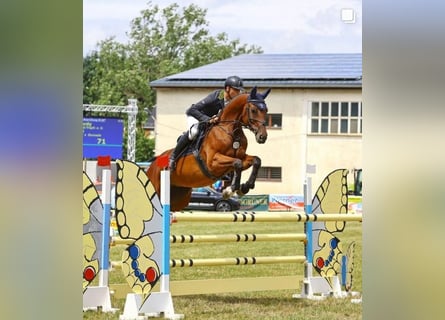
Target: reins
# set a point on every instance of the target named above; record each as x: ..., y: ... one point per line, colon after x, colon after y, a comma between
x: 244, y: 125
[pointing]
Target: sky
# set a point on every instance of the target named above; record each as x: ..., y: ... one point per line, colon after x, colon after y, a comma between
x: 278, y: 26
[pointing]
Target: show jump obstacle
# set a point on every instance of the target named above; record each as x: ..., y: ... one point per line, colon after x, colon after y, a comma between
x: 96, y: 231
x: 144, y: 219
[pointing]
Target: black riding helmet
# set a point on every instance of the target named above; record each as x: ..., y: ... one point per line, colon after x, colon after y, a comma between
x: 234, y: 82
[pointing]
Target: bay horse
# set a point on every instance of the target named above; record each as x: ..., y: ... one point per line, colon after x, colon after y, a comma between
x: 222, y: 152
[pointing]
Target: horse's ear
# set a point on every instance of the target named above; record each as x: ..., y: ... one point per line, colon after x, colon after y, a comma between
x: 253, y: 93
x: 264, y: 95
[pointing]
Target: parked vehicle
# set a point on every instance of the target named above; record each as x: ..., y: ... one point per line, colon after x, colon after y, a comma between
x: 206, y: 198
x: 203, y: 198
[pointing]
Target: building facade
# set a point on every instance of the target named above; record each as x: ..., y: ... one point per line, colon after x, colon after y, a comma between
x: 315, y: 113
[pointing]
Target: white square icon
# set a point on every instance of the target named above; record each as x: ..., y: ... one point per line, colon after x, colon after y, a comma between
x: 348, y: 15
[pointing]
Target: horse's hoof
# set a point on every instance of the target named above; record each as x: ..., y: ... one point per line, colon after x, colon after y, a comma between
x: 244, y: 189
x: 240, y: 193
x: 227, y: 192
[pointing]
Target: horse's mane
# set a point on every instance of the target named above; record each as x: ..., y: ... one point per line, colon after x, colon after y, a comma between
x: 236, y: 101
x: 240, y: 100
x: 234, y: 107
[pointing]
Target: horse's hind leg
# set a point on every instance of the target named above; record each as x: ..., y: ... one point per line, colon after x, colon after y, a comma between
x: 255, y: 162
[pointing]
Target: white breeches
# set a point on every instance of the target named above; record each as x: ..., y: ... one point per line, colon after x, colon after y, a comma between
x: 193, y: 130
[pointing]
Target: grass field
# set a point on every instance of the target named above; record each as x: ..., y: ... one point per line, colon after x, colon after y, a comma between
x: 277, y: 304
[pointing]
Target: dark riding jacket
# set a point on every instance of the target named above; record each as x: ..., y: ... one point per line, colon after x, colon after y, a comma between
x: 206, y: 108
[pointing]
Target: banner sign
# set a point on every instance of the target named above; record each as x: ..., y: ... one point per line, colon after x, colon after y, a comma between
x: 254, y: 202
x: 286, y: 202
x: 355, y: 204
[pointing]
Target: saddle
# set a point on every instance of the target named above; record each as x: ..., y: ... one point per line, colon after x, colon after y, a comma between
x: 195, y: 146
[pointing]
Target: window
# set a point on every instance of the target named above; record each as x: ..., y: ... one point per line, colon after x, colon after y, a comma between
x: 336, y: 117
x: 274, y: 120
x: 269, y: 174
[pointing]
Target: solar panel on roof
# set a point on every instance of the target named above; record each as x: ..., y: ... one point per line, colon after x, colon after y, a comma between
x: 291, y: 69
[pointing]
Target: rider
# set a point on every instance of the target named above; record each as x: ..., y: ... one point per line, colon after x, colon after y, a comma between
x: 206, y: 110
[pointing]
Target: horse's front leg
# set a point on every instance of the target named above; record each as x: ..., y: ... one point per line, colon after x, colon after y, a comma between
x: 236, y: 180
x: 224, y: 163
x: 249, y: 161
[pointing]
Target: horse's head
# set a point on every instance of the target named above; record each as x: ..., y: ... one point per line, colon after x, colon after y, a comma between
x: 256, y: 113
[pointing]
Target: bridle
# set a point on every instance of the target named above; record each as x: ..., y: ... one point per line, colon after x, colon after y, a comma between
x: 262, y: 107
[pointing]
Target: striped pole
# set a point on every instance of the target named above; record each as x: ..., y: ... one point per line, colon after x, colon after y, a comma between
x: 174, y: 263
x: 308, y: 210
x: 106, y: 201
x: 308, y: 230
x: 344, y: 263
x: 252, y: 237
x: 246, y: 237
x: 266, y: 217
x: 165, y: 202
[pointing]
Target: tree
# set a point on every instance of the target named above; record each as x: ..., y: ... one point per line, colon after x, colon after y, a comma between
x: 161, y: 42
x: 102, y: 74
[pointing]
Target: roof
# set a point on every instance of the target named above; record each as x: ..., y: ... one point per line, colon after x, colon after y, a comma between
x: 275, y: 70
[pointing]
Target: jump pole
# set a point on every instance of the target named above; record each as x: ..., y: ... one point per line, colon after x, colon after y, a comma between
x: 308, y: 230
x: 99, y: 297
x: 106, y: 200
x: 157, y: 303
x: 246, y: 237
x: 264, y: 217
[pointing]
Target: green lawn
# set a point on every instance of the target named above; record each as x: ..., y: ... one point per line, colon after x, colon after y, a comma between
x: 277, y: 304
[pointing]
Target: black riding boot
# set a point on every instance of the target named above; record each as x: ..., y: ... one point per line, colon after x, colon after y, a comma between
x: 183, y: 142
